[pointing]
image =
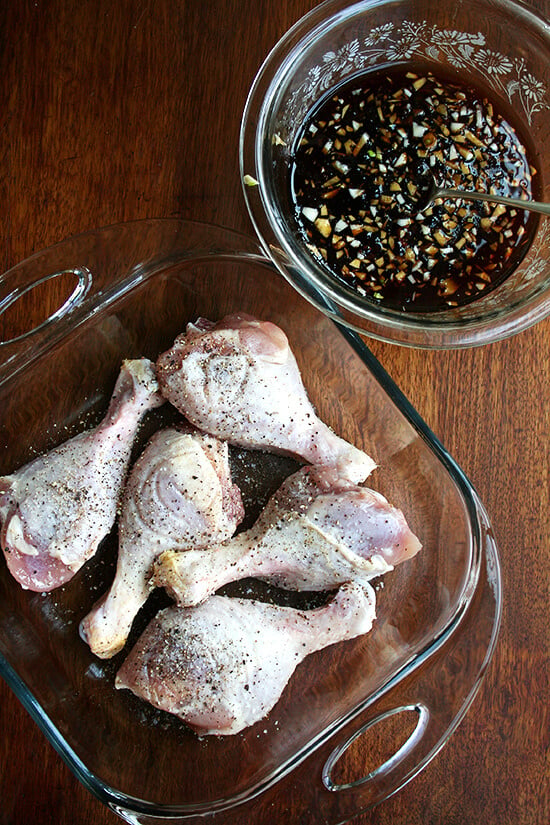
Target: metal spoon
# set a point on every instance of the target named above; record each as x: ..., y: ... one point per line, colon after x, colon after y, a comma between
x: 435, y: 191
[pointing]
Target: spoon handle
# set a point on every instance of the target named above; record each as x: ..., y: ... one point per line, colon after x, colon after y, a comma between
x: 532, y: 206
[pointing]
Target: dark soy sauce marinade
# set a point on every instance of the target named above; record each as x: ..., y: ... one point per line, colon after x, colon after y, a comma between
x: 361, y: 165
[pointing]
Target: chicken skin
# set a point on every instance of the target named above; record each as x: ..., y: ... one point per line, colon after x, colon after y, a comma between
x: 56, y: 510
x: 222, y: 666
x: 317, y: 532
x: 238, y: 379
x: 179, y: 495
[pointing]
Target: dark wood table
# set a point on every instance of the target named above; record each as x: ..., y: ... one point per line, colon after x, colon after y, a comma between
x: 112, y: 110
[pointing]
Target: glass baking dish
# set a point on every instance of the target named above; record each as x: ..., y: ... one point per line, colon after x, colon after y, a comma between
x: 130, y: 289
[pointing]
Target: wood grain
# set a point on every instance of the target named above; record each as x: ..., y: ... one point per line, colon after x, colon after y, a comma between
x: 112, y: 110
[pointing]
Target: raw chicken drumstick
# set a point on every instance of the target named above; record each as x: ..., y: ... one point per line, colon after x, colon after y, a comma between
x: 238, y: 379
x: 222, y: 666
x: 316, y: 532
x: 57, y: 509
x: 179, y: 495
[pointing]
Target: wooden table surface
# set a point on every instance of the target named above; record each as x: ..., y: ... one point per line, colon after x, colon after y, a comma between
x: 112, y: 110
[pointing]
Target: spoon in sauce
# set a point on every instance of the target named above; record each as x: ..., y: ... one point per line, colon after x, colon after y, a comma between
x: 433, y: 191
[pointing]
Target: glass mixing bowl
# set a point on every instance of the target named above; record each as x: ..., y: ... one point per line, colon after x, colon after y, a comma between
x: 498, y: 45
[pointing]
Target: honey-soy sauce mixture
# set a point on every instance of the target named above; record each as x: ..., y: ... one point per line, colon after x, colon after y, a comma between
x: 362, y: 164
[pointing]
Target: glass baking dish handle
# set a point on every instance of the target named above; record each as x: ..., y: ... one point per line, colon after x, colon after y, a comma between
x: 18, y: 295
x: 86, y: 281
x: 82, y: 280
x: 437, y: 693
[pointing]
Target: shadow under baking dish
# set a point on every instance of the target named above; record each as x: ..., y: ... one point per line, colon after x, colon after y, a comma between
x: 437, y: 614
